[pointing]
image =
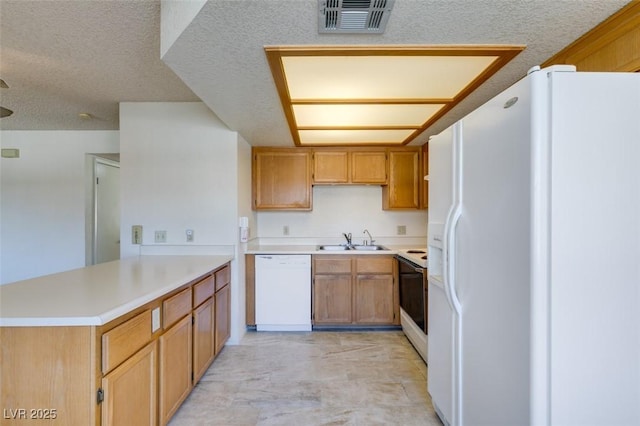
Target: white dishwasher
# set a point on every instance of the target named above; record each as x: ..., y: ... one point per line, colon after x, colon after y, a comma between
x: 283, y: 292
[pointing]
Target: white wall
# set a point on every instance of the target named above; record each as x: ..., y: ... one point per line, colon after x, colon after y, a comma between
x: 178, y: 171
x: 42, y: 200
x: 348, y: 209
x: 181, y: 168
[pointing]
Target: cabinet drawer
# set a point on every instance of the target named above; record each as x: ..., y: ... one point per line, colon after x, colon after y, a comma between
x: 332, y: 265
x: 374, y: 265
x: 223, y: 277
x: 203, y: 290
x: 123, y: 341
x: 176, y: 307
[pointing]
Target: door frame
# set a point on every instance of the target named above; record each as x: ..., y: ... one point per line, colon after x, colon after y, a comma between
x: 91, y: 210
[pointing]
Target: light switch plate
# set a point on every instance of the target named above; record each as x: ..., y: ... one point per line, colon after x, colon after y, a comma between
x: 161, y: 237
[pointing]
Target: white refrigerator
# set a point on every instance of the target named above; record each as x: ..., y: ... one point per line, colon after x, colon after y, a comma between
x: 534, y: 255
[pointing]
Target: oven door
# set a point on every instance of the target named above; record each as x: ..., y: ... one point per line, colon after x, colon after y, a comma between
x: 412, y: 292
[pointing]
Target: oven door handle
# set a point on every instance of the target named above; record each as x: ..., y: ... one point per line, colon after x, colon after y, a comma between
x: 415, y: 268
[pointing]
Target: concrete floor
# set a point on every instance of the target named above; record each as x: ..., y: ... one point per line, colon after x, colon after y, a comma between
x: 313, y: 378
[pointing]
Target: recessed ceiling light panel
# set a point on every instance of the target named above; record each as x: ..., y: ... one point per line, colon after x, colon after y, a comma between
x: 376, y: 95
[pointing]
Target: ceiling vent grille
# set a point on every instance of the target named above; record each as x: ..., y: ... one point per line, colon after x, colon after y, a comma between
x: 353, y: 16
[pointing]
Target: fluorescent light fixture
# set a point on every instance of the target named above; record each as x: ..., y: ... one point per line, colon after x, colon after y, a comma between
x: 355, y: 95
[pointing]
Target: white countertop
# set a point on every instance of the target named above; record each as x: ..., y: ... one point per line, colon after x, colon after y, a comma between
x: 313, y: 249
x: 98, y: 294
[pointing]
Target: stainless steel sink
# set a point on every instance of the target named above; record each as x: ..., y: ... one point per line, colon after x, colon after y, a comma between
x: 342, y: 247
x: 368, y: 247
x: 333, y: 247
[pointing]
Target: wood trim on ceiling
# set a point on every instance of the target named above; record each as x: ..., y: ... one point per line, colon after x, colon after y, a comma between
x: 503, y: 54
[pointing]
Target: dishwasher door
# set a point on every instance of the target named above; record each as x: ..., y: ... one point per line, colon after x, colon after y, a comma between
x: 283, y: 292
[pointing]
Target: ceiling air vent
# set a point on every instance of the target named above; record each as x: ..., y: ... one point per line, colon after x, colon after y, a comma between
x: 353, y: 16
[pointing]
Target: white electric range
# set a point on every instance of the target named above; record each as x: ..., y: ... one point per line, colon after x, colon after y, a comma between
x: 416, y: 255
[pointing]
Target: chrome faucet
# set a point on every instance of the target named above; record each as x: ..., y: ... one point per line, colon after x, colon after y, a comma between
x: 371, y: 240
x: 348, y: 238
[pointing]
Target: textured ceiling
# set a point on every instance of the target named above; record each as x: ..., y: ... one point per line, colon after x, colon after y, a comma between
x: 61, y: 58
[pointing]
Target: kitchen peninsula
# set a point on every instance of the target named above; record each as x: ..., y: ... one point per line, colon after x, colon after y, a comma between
x: 121, y: 342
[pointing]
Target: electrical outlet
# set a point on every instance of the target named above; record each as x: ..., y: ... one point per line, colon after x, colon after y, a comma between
x: 136, y: 234
x: 155, y: 320
x: 161, y: 236
x: 402, y: 230
x: 285, y: 230
x: 189, y: 233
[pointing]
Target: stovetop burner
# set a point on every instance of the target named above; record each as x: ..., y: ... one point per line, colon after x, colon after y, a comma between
x: 416, y: 251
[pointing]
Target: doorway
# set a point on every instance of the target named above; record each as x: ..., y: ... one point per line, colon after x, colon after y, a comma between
x: 106, y: 202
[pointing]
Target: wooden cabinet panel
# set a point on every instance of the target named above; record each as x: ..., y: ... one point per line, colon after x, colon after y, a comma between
x: 424, y: 202
x: 374, y: 299
x: 332, y: 299
x: 332, y: 264
x: 330, y: 166
x: 350, y: 166
x: 203, y: 290
x: 250, y: 289
x: 130, y: 391
x: 374, y: 265
x: 49, y: 368
x: 369, y: 167
x: 223, y: 317
x: 175, y: 368
x: 124, y: 340
x: 203, y: 338
x: 403, y: 190
x: 613, y: 45
x: 281, y: 179
x: 223, y: 277
x: 176, y: 307
x: 355, y: 290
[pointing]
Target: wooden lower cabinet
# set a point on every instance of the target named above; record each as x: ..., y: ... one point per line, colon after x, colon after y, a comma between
x: 127, y: 372
x: 374, y: 299
x: 223, y: 317
x: 203, y: 338
x: 355, y: 290
x: 332, y: 299
x: 130, y: 391
x: 175, y: 368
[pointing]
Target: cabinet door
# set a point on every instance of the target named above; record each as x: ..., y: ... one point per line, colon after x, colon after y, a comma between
x: 130, y: 391
x: 281, y: 179
x: 223, y: 317
x: 374, y: 299
x: 369, y: 167
x: 330, y: 167
x: 403, y: 190
x: 175, y: 368
x: 332, y: 299
x: 203, y: 338
x: 424, y: 202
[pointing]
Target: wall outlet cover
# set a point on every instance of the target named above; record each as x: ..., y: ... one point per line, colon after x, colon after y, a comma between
x: 136, y: 234
x: 402, y: 230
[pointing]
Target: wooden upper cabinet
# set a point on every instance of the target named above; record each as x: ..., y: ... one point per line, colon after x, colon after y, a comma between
x: 403, y: 190
x: 347, y: 166
x: 330, y: 167
x: 369, y: 167
x: 613, y: 45
x: 424, y: 202
x: 281, y: 179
